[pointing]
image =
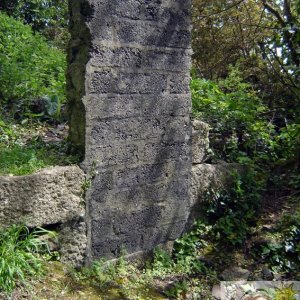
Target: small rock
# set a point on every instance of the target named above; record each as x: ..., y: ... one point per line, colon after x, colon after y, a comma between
x: 235, y: 274
x: 216, y: 291
x: 267, y: 274
x: 277, y: 277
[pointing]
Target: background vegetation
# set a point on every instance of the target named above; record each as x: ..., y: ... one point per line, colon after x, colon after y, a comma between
x: 33, y: 41
x: 245, y: 85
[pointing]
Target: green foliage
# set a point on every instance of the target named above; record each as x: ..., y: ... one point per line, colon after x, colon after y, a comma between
x: 133, y: 282
x: 29, y: 67
x: 19, y: 160
x: 7, y: 133
x: 162, y: 263
x: 232, y: 213
x: 288, y: 144
x: 22, y: 160
x: 262, y: 37
x: 49, y: 17
x: 235, y: 113
x: 178, y: 289
x: 284, y: 292
x: 19, y: 255
x: 188, y: 245
x: 22, y: 151
x: 283, y: 254
x: 102, y: 273
x: 53, y: 106
x: 124, y: 278
x: 179, y: 264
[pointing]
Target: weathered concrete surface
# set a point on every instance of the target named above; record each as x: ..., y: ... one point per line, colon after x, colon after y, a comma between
x: 72, y: 240
x: 129, y: 73
x: 51, y: 197
x: 200, y: 141
x: 48, y: 197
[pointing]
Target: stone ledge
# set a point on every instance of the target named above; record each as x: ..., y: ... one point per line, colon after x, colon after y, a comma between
x: 50, y: 196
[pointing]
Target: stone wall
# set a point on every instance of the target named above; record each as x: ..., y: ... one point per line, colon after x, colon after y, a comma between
x: 130, y: 109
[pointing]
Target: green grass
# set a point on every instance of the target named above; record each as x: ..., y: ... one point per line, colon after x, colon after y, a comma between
x: 23, y: 151
x: 22, y: 160
x: 19, y: 256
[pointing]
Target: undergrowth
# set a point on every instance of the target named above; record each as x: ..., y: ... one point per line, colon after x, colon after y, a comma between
x: 134, y: 282
x: 282, y: 252
x: 20, y: 255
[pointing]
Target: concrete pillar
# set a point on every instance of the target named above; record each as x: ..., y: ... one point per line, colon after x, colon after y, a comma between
x: 128, y: 87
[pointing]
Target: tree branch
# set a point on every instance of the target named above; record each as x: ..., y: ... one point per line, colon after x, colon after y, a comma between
x: 274, y: 12
x: 224, y: 10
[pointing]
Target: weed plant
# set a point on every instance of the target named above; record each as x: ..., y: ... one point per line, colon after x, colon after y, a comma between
x: 282, y: 254
x: 20, y: 255
x: 133, y: 282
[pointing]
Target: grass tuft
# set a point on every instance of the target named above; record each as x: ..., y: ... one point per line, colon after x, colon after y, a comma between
x: 20, y: 255
x: 22, y: 160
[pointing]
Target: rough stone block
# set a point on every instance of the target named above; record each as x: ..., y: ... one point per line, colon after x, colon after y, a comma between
x: 179, y: 84
x: 170, y: 105
x: 48, y: 197
x: 102, y: 29
x: 200, y: 141
x: 136, y: 58
x: 73, y: 242
x: 169, y: 232
x: 150, y: 34
x: 113, y: 106
x: 137, y: 109
x: 150, y: 150
x: 171, y: 130
x: 127, y: 83
x: 137, y: 230
x: 114, y: 154
x: 124, y: 106
x: 168, y: 12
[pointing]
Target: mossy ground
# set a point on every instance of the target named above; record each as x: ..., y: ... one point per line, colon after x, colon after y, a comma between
x: 59, y: 283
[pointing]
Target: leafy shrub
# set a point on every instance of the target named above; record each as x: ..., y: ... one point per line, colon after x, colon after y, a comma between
x: 20, y: 255
x: 235, y: 113
x: 52, y: 106
x: 232, y: 213
x: 176, y: 264
x: 284, y: 254
x: 189, y: 243
x: 29, y: 67
x: 48, y: 17
x: 178, y: 289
